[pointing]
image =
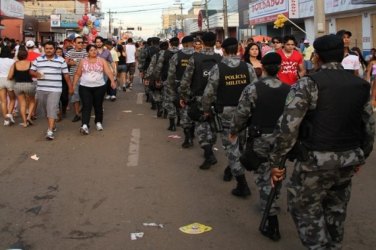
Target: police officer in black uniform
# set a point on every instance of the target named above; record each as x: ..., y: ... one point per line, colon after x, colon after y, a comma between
x: 260, y: 106
x: 192, y: 88
x: 226, y: 82
x: 177, y: 66
x: 151, y: 50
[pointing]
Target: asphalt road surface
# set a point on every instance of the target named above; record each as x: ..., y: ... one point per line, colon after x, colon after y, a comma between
x: 92, y: 192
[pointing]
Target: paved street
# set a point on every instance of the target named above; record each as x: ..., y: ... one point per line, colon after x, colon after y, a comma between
x: 92, y: 192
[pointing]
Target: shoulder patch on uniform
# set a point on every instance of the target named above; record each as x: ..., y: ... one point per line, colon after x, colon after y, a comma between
x: 290, y: 96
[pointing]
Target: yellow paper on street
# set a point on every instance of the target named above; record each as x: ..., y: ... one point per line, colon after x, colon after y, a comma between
x: 195, y: 228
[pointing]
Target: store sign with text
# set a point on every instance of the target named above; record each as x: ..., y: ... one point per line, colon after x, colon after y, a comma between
x: 55, y: 21
x: 12, y: 8
x: 264, y: 11
x: 69, y: 20
x: 293, y: 9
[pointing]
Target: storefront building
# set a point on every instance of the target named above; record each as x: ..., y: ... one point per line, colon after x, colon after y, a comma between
x: 263, y: 13
x: 355, y: 16
x: 11, y: 17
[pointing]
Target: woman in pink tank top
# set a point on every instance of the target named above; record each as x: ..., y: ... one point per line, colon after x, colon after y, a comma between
x: 92, y: 87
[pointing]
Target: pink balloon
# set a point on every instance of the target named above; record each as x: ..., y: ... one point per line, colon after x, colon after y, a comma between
x: 85, y: 18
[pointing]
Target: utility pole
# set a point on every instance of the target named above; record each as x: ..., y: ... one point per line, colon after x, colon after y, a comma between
x: 319, y: 18
x: 181, y: 14
x: 109, y: 23
x: 207, y: 15
x: 181, y: 17
x: 225, y: 20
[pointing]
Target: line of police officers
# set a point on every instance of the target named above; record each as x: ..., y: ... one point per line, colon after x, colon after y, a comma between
x: 324, y: 123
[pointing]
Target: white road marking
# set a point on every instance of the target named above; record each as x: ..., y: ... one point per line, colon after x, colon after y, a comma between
x: 140, y: 98
x: 134, y: 148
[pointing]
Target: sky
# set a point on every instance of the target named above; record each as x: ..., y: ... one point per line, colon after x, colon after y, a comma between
x: 140, y: 13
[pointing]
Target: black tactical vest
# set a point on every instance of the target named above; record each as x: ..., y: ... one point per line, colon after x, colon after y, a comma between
x: 203, y: 65
x: 269, y: 106
x: 336, y: 123
x: 166, y: 63
x: 150, y: 52
x: 232, y: 81
x: 183, y: 60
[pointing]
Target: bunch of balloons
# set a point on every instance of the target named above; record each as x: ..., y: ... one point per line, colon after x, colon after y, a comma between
x: 88, y: 26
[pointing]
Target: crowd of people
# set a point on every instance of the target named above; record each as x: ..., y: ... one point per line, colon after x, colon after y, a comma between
x: 46, y: 81
x: 268, y: 102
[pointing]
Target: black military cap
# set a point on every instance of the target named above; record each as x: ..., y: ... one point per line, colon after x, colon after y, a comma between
x: 163, y: 45
x: 209, y: 37
x: 229, y: 42
x: 174, y: 39
x: 340, y: 33
x: 328, y: 43
x: 155, y: 39
x: 187, y: 39
x: 271, y: 58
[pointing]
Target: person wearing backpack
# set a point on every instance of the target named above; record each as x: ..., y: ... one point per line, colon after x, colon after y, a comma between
x: 192, y: 88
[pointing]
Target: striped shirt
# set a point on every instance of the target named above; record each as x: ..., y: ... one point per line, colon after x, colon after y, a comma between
x: 52, y: 70
x: 77, y: 56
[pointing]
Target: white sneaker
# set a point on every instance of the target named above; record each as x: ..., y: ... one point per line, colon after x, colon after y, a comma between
x: 99, y: 126
x: 6, y: 122
x: 113, y: 98
x: 11, y: 119
x: 50, y: 135
x: 84, y: 130
x: 107, y: 97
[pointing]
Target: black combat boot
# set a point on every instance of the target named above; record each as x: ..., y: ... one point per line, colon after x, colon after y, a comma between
x: 242, y: 189
x: 272, y: 228
x: 227, y: 175
x: 188, y: 139
x: 159, y: 110
x: 153, y: 104
x: 209, y: 158
x: 192, y: 131
x: 172, y: 126
x: 165, y: 113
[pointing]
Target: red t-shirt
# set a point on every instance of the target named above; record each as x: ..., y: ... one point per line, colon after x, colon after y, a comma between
x: 289, y: 67
x: 31, y: 56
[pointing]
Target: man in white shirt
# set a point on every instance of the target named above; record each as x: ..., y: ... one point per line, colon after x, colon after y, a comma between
x: 130, y: 50
x: 350, y: 60
x: 49, y: 69
x: 218, y: 48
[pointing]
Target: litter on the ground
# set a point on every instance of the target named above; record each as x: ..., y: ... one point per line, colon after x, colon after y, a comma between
x: 174, y: 136
x: 34, y: 157
x: 135, y: 236
x: 34, y: 210
x: 215, y: 149
x: 195, y: 228
x: 152, y: 225
x: 140, y: 114
x: 127, y: 111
